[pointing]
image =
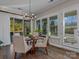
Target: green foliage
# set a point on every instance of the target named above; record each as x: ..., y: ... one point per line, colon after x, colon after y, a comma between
x: 30, y: 34
x: 38, y: 30
x: 17, y: 24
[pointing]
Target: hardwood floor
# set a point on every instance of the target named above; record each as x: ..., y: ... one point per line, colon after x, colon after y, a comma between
x: 53, y: 53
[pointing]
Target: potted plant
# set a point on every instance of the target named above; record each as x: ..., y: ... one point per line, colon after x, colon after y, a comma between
x: 39, y: 31
x: 30, y: 35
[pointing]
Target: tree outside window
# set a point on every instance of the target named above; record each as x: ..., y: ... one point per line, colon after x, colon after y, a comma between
x: 38, y: 24
x: 44, y: 26
x: 27, y: 27
x: 18, y: 25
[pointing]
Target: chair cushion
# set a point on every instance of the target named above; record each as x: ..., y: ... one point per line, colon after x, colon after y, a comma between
x: 28, y: 47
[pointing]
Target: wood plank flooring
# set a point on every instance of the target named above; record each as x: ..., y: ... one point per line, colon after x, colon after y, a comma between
x: 53, y: 53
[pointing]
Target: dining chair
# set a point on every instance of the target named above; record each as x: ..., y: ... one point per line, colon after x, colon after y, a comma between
x: 20, y: 45
x: 42, y: 43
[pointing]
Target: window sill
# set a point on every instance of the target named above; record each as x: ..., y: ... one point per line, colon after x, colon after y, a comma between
x: 65, y: 47
x: 54, y: 36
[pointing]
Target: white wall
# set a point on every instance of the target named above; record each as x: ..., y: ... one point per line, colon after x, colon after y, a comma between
x: 1, y: 30
x: 5, y: 27
x: 69, y: 4
x: 59, y: 10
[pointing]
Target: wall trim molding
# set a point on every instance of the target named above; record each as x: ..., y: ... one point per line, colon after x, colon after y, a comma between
x: 10, y: 12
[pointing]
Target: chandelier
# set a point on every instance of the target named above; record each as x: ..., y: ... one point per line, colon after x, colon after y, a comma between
x: 29, y: 14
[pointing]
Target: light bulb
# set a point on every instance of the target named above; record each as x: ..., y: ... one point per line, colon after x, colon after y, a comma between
x: 32, y: 14
x: 26, y: 14
x: 35, y: 16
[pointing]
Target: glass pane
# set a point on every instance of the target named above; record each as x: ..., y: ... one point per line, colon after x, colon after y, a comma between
x: 27, y: 27
x: 11, y: 25
x: 53, y: 25
x: 44, y: 26
x: 11, y: 28
x: 38, y: 24
x: 18, y: 25
x: 70, y: 26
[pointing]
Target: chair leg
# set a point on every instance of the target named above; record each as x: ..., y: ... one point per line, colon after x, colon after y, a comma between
x: 25, y: 56
x: 15, y: 55
x: 31, y: 51
x: 46, y: 50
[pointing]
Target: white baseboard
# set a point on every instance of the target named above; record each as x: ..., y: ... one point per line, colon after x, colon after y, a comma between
x: 65, y: 47
x: 4, y: 44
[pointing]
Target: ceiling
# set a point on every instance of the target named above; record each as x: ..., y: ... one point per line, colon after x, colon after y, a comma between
x: 37, y: 6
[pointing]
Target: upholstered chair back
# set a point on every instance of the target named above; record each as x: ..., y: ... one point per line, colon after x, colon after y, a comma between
x: 19, y: 44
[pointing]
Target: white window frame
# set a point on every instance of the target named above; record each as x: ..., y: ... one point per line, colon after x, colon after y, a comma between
x: 57, y: 25
x: 65, y: 11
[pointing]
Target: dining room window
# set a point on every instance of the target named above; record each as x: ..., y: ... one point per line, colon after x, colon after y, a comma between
x: 53, y: 22
x: 38, y: 24
x: 70, y: 19
x: 27, y: 27
x: 44, y: 26
x: 18, y: 25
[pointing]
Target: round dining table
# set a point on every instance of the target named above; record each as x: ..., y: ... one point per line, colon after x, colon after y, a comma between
x: 34, y: 40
